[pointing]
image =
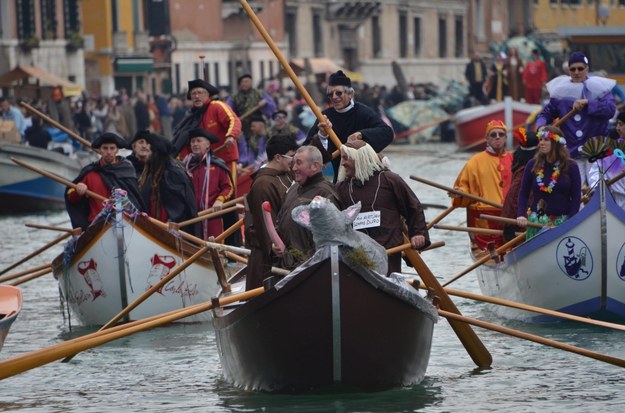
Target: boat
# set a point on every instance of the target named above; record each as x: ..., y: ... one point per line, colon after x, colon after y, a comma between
x: 22, y: 190
x: 577, y: 267
x: 10, y: 307
x: 328, y: 325
x: 471, y: 123
x: 118, y: 258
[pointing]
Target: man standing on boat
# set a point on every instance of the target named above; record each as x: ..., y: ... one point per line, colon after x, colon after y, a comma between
x: 309, y: 182
x: 592, y: 99
x: 102, y: 176
x: 487, y: 175
x: 211, y: 178
x: 386, y: 200
x: 249, y: 98
x: 270, y: 184
x: 349, y: 120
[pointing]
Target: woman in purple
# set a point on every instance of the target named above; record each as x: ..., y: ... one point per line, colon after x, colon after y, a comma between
x: 553, y: 179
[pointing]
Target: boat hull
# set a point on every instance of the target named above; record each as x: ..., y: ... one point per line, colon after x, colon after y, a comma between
x: 471, y: 123
x: 576, y: 268
x: 22, y: 190
x: 298, y: 339
x: 10, y: 307
x: 112, y: 264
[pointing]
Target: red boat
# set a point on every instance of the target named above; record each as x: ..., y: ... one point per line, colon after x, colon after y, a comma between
x: 471, y: 123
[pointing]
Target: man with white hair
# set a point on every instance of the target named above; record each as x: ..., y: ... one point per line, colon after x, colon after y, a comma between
x: 386, y: 200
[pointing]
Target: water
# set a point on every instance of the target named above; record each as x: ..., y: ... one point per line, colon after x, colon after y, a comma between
x: 176, y: 368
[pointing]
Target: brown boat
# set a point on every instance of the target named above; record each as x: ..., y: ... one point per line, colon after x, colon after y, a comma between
x: 329, y: 325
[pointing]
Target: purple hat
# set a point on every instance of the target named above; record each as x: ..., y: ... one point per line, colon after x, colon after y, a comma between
x: 578, y: 57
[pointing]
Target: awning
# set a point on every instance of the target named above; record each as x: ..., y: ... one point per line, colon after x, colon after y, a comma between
x: 134, y: 64
x: 21, y: 74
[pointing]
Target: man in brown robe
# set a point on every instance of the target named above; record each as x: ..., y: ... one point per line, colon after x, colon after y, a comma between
x: 270, y: 184
x: 387, y: 201
x: 307, y: 167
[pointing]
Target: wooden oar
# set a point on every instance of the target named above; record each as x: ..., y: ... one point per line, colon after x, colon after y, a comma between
x: 457, y: 192
x: 407, y: 245
x: 32, y: 276
x: 471, y: 342
x: 536, y: 339
x: 251, y: 111
x: 501, y: 250
x: 36, y: 252
x: 210, y: 216
x: 510, y: 221
x: 10, y: 277
x: 57, y: 125
x: 615, y: 178
x: 289, y: 71
x: 527, y: 307
x: 226, y: 204
x: 564, y: 118
x: 441, y: 216
x: 33, y: 359
x: 48, y: 227
x: 474, y: 230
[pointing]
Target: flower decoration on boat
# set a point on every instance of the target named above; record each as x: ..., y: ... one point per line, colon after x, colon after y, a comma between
x: 553, y: 136
x: 540, y: 175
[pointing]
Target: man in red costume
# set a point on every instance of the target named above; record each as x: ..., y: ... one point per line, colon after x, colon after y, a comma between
x: 487, y: 175
x: 211, y: 179
x: 109, y: 172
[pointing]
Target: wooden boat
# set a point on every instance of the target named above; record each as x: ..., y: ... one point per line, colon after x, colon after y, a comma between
x: 118, y: 258
x: 10, y: 307
x: 577, y: 267
x: 471, y: 123
x: 22, y: 190
x: 327, y: 325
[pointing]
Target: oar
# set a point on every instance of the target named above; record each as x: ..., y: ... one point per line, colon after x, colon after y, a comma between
x: 457, y: 192
x: 615, y: 178
x: 289, y: 71
x: 501, y: 250
x: 210, y: 216
x: 32, y: 276
x: 37, y: 252
x: 28, y: 361
x: 10, y: 277
x: 536, y: 339
x: 441, y: 216
x: 418, y: 129
x: 57, y: 125
x: 564, y: 118
x: 471, y: 342
x: 474, y: 230
x: 527, y: 307
x: 226, y: 204
x: 251, y: 111
x: 51, y: 228
x: 510, y: 221
x: 407, y: 245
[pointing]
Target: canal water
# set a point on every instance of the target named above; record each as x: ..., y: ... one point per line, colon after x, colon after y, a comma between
x: 176, y: 368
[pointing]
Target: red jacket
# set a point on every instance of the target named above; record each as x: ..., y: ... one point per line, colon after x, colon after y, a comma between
x: 221, y: 121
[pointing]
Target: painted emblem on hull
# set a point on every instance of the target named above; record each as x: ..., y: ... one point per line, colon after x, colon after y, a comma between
x: 620, y: 263
x: 161, y: 265
x: 89, y: 271
x: 574, y: 258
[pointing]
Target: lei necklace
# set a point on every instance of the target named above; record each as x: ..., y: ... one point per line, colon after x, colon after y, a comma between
x: 540, y: 174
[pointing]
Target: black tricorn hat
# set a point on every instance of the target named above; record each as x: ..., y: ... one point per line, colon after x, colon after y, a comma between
x: 109, y: 137
x: 159, y: 144
x: 194, y: 133
x: 142, y: 134
x: 212, y: 90
x: 339, y: 79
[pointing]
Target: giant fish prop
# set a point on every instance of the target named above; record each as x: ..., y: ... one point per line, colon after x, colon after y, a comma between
x: 330, y: 226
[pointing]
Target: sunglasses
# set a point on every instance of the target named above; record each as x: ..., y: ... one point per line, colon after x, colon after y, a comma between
x: 497, y: 134
x: 338, y: 93
x: 577, y: 69
x: 280, y: 117
x: 290, y: 158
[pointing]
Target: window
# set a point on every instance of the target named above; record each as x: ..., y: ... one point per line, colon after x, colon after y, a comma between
x: 417, y: 36
x: 48, y: 19
x: 262, y: 70
x: 376, y: 35
x: 442, y: 37
x: 459, y: 32
x: 71, y: 14
x: 177, y: 76
x: 317, y: 35
x: 25, y: 19
x: 196, y: 70
x: 290, y: 28
x: 216, y: 65
x: 403, y: 30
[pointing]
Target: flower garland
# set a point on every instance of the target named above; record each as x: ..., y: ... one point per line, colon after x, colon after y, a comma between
x: 553, y: 136
x: 540, y: 174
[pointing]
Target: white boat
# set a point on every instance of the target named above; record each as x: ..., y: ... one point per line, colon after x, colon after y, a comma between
x: 22, y: 190
x: 10, y: 307
x: 576, y: 268
x: 118, y: 258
